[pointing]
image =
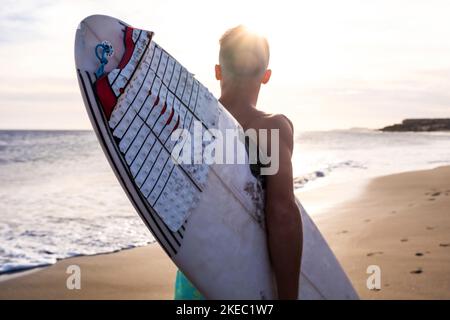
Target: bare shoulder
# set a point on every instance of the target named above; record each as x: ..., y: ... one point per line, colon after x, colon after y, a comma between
x: 279, y: 122
x: 272, y: 121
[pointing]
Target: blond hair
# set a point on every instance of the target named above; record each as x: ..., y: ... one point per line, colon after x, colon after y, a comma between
x: 243, y: 54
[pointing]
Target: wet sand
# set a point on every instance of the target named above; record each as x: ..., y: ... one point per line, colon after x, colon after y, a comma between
x: 140, y: 273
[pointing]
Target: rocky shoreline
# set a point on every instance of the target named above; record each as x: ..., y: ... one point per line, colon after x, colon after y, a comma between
x: 420, y: 125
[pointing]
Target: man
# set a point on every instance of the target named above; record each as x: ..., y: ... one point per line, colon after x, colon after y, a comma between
x: 242, y: 68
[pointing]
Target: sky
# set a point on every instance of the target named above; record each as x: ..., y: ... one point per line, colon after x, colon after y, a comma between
x: 336, y: 64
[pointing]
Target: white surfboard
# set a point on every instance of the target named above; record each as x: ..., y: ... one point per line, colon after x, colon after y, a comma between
x: 209, y: 219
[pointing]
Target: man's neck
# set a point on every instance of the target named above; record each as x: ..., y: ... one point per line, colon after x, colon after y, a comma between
x: 237, y: 100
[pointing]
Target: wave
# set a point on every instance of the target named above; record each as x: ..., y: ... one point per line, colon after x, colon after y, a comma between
x: 60, y: 199
x: 301, y: 180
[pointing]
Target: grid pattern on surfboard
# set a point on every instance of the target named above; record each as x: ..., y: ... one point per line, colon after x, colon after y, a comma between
x: 160, y: 97
x: 169, y: 241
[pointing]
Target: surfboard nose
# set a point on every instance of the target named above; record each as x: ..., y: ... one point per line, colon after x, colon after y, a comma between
x: 110, y: 51
x: 93, y: 30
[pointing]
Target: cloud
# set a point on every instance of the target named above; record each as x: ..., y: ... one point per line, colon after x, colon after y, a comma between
x: 20, y: 18
x: 370, y: 66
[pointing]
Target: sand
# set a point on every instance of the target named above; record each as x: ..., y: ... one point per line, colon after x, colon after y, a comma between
x: 140, y: 273
x: 400, y: 223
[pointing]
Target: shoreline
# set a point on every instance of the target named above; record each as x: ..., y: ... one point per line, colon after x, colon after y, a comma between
x: 366, y: 229
x: 137, y: 273
x: 23, y: 271
x: 309, y: 200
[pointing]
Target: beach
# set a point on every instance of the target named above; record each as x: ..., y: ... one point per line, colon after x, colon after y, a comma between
x: 139, y: 273
x: 400, y: 223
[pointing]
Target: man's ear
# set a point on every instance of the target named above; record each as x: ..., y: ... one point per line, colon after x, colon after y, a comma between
x: 218, y: 72
x: 266, y: 76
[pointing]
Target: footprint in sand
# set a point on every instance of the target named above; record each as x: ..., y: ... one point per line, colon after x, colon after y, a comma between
x: 419, y: 254
x: 393, y: 212
x: 367, y: 220
x: 429, y: 228
x: 342, y: 232
x: 417, y: 271
x: 444, y: 245
x: 404, y: 240
x: 374, y: 253
x: 436, y: 194
x: 431, y: 199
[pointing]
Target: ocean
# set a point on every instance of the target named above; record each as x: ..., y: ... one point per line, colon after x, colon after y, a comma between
x: 59, y: 197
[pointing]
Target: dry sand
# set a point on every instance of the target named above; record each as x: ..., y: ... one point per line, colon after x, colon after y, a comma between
x: 400, y: 223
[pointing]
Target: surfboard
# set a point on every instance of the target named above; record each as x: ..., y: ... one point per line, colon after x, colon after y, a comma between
x: 208, y: 218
